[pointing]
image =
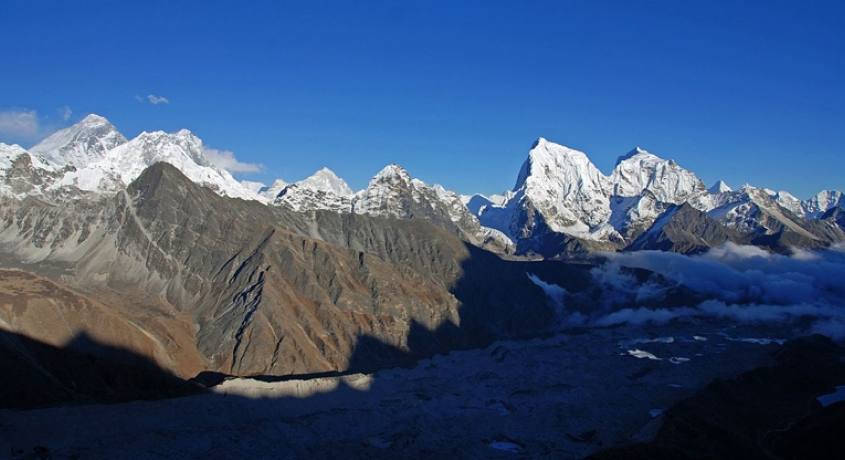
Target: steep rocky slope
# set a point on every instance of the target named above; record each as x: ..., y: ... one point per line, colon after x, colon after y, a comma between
x: 270, y: 291
x: 769, y: 412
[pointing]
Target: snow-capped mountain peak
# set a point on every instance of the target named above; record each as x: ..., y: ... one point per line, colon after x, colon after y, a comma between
x: 551, y: 164
x: 326, y: 180
x: 10, y: 153
x: 822, y: 202
x: 720, y: 187
x: 641, y: 170
x: 790, y: 202
x: 323, y: 190
x: 122, y: 164
x: 270, y: 192
x: 83, y: 143
x: 636, y: 151
x: 564, y: 187
x: 391, y: 173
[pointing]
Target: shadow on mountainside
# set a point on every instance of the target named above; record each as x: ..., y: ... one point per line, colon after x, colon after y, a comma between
x: 497, y: 301
x: 36, y: 374
x: 769, y: 412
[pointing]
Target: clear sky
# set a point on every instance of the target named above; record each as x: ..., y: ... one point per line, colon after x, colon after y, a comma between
x: 454, y: 91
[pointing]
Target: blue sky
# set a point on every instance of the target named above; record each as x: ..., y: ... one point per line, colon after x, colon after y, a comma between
x: 454, y: 91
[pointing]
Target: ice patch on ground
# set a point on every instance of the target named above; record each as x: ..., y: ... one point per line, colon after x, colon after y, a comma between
x: 638, y: 341
x: 642, y: 354
x: 506, y: 446
x: 756, y: 340
x: 832, y: 398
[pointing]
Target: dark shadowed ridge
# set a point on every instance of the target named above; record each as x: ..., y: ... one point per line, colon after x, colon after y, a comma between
x: 768, y: 412
x: 36, y: 374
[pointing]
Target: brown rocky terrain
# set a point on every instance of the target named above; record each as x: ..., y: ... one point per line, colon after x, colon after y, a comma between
x: 196, y: 281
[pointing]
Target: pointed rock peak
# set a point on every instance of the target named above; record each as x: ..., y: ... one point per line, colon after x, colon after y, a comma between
x: 720, y: 187
x: 686, y: 207
x: 325, y: 180
x: 157, y: 179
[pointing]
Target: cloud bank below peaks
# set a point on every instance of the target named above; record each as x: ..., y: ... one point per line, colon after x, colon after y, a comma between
x: 741, y: 283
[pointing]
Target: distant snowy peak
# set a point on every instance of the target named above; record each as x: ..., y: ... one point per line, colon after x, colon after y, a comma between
x: 253, y: 186
x: 641, y: 170
x: 125, y: 162
x: 478, y: 203
x: 790, y: 202
x: 263, y: 192
x: 9, y: 153
x: 323, y: 190
x: 636, y: 151
x: 394, y: 193
x: 80, y: 144
x: 389, y: 193
x: 325, y: 180
x: 23, y: 173
x: 720, y: 187
x: 391, y: 174
x: 271, y: 191
x: 823, y: 201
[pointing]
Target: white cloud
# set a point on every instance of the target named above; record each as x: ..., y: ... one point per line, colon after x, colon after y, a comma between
x: 19, y: 123
x: 156, y: 100
x: 742, y: 283
x: 225, y: 159
x: 152, y: 99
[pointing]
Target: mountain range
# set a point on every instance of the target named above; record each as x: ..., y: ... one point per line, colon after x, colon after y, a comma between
x: 562, y: 205
x: 145, y: 244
